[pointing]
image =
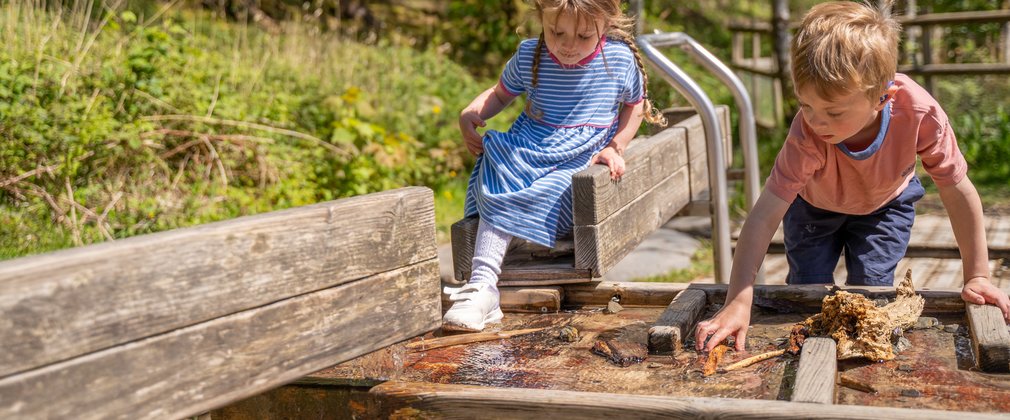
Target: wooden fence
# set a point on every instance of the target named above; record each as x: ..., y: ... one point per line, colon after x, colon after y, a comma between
x: 923, y: 55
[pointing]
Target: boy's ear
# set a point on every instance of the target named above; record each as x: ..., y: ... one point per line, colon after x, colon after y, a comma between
x: 888, y: 94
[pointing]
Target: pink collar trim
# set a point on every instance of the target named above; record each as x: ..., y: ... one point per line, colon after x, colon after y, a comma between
x: 584, y: 61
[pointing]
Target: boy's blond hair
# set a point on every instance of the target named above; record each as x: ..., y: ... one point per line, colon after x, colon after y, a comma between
x: 844, y: 47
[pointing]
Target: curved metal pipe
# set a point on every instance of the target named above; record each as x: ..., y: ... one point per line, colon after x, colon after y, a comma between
x: 719, y: 205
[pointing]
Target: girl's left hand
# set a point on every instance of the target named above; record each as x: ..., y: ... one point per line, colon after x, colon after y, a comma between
x: 609, y: 156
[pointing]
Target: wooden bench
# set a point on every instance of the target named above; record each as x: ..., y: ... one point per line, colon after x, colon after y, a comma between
x: 666, y: 172
x: 177, y: 323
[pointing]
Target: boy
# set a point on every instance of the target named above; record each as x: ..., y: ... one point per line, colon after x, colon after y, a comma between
x: 845, y: 177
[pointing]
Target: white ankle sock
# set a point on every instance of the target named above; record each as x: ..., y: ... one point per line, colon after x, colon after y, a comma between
x: 488, y: 253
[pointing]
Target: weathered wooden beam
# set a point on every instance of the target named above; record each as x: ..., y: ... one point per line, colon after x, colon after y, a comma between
x: 809, y: 298
x: 427, y: 400
x: 989, y: 337
x: 531, y: 299
x: 815, y: 377
x: 57, y: 306
x: 649, y: 160
x: 677, y: 321
x: 628, y: 293
x: 598, y: 248
x: 463, y: 235
x: 200, y: 367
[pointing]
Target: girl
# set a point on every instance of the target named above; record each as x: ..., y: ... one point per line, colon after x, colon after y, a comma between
x: 585, y: 98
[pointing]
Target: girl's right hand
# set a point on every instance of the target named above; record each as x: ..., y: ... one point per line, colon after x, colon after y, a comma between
x: 733, y: 319
x: 469, y: 120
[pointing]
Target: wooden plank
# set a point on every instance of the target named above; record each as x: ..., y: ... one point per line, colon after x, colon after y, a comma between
x: 68, y: 303
x: 200, y: 367
x: 395, y: 399
x: 677, y: 321
x: 531, y: 299
x: 463, y: 235
x: 808, y: 298
x: 989, y: 338
x: 600, y: 247
x: 649, y: 160
x: 630, y: 294
x: 546, y: 272
x: 932, y: 237
x: 815, y: 378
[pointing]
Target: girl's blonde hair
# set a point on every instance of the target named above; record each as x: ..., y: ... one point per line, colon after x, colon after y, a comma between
x: 618, y: 26
x: 844, y: 47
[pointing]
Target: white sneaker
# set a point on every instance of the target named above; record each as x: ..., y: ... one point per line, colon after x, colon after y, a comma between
x: 474, y: 305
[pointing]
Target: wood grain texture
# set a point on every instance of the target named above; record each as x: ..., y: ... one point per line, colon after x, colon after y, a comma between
x: 649, y: 161
x: 808, y: 298
x: 989, y: 338
x: 68, y: 303
x: 815, y: 377
x: 599, y: 293
x: 200, y: 367
x: 531, y: 299
x: 463, y: 235
x: 677, y: 321
x: 427, y: 400
x: 600, y: 247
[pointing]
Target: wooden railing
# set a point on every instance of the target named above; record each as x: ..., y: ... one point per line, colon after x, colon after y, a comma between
x: 922, y: 35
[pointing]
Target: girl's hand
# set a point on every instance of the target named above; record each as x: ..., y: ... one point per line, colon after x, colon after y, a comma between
x: 980, y: 291
x: 609, y: 156
x: 733, y: 319
x: 469, y: 120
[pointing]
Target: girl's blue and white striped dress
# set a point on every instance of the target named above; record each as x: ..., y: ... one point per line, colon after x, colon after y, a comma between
x: 522, y: 182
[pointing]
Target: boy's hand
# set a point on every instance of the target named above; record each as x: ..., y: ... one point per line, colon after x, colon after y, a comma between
x: 733, y: 319
x: 469, y: 120
x: 609, y: 156
x: 980, y: 291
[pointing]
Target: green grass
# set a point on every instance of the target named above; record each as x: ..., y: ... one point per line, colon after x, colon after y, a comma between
x: 449, y: 201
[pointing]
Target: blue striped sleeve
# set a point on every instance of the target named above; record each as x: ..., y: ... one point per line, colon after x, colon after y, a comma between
x: 511, y: 77
x: 633, y: 93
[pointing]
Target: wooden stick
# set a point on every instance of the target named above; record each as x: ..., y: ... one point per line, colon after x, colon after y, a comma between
x: 714, y: 356
x: 752, y: 360
x: 454, y: 340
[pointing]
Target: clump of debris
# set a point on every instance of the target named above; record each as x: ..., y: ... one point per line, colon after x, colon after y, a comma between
x: 860, y: 327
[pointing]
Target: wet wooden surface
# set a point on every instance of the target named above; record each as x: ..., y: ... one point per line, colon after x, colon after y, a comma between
x: 936, y: 372
x: 543, y: 361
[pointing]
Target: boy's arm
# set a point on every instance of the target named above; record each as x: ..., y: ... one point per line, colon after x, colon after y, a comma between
x: 965, y: 211
x: 734, y: 317
x: 486, y: 105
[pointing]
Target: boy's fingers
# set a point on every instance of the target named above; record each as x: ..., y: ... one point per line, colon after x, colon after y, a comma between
x: 717, y: 338
x: 971, y: 296
x: 701, y: 334
x: 741, y: 340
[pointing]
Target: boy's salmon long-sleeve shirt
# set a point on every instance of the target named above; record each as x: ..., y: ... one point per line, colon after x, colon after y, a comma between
x: 832, y: 177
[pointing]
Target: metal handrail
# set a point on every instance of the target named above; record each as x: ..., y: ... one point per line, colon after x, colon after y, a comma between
x: 718, y: 202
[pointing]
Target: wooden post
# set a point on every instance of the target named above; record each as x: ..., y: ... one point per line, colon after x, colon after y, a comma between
x: 815, y: 378
x: 989, y: 337
x: 677, y: 321
x: 782, y: 39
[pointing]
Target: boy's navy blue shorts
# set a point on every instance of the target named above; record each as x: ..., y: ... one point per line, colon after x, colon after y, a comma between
x: 873, y: 243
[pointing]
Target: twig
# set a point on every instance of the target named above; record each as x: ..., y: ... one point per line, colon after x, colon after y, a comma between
x: 714, y: 357
x: 752, y: 360
x: 29, y: 174
x: 261, y: 127
x: 73, y: 214
x: 217, y: 161
x: 454, y: 340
